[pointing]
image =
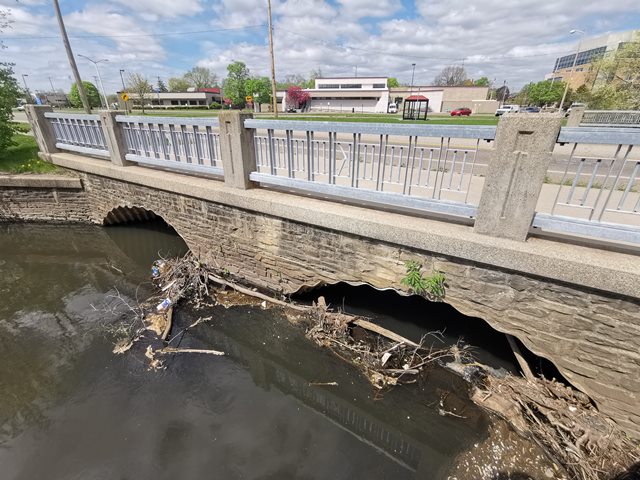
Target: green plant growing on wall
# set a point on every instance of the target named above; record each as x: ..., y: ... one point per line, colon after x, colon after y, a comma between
x: 432, y: 287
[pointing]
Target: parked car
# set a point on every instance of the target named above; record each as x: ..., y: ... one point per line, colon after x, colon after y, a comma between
x: 393, y: 108
x: 531, y: 110
x: 507, y: 109
x: 458, y: 112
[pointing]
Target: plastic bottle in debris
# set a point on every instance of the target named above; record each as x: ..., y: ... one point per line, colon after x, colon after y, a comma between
x: 163, y: 305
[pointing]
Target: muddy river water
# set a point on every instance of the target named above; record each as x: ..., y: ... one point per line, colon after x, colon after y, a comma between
x: 71, y: 409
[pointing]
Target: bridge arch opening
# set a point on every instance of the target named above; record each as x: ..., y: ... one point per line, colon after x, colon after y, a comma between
x: 143, y: 235
x: 414, y: 316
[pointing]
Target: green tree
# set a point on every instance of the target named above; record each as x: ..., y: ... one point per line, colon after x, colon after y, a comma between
x: 138, y: 84
x: 201, y: 77
x: 178, y: 85
x: 235, y: 83
x: 9, y: 93
x: 617, y: 79
x: 93, y: 96
x: 392, y: 82
x: 547, y: 92
x: 482, y: 82
x: 260, y: 86
x: 522, y: 98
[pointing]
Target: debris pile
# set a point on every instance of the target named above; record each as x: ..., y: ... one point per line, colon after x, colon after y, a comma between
x: 564, y: 422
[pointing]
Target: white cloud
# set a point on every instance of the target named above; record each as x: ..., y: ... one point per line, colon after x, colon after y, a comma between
x: 356, y: 9
x: 516, y: 41
x: 154, y: 9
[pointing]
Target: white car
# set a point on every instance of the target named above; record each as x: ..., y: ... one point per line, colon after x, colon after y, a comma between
x: 393, y: 108
x: 507, y: 109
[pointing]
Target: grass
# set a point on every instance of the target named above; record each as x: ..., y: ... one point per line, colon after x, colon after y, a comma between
x: 388, y: 118
x: 22, y: 157
x: 432, y: 119
x: 21, y: 127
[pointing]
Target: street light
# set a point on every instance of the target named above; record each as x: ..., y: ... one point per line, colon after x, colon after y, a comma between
x: 573, y: 67
x: 124, y: 89
x: 95, y: 64
x: 413, y: 65
x: 24, y: 80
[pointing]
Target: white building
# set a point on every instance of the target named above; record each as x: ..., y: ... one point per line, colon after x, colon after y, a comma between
x: 348, y: 95
x: 372, y: 95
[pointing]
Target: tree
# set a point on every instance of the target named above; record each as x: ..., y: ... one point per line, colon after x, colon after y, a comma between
x: 178, y: 85
x: 259, y: 88
x: 617, y: 78
x: 392, y: 82
x: 502, y: 94
x: 296, y: 97
x: 311, y: 83
x: 451, y: 76
x: 235, y: 83
x: 9, y: 92
x: 482, y: 82
x: 547, y: 92
x: 138, y: 84
x: 93, y: 96
x: 201, y: 77
x: 162, y: 88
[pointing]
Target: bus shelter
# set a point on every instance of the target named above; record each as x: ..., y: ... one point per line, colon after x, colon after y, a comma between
x: 415, y: 107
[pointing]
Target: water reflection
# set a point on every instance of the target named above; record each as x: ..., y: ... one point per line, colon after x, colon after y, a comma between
x: 69, y: 408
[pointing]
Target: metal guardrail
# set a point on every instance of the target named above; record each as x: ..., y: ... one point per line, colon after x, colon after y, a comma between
x: 411, y: 166
x: 598, y: 194
x: 611, y: 118
x: 188, y: 144
x: 81, y: 133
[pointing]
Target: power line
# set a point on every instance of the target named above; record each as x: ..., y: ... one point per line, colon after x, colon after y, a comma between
x: 166, y: 34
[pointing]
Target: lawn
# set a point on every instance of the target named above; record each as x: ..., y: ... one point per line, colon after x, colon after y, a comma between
x: 23, y: 157
x: 388, y: 118
x: 432, y: 119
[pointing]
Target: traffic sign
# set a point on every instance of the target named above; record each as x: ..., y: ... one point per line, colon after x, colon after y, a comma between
x: 124, y: 96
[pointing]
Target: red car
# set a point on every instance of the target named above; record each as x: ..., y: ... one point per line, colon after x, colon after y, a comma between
x: 458, y: 112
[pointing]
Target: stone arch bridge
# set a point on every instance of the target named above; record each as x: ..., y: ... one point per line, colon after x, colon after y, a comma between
x: 575, y: 304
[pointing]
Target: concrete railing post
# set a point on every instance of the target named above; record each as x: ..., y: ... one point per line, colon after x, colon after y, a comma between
x: 575, y: 116
x: 114, y: 135
x: 42, y: 129
x: 237, y: 149
x: 515, y: 174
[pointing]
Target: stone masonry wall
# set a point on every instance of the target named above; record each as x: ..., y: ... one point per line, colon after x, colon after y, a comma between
x: 593, y: 338
x: 43, y: 204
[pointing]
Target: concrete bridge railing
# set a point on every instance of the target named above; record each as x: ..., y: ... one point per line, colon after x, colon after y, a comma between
x: 526, y: 176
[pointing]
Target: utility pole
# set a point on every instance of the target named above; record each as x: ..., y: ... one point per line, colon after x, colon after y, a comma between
x: 274, y: 99
x: 356, y: 71
x: 51, y: 83
x: 72, y: 60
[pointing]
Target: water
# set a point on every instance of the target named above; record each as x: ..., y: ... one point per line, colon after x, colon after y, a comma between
x: 70, y: 409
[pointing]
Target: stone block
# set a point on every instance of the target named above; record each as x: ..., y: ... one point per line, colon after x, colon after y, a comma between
x: 515, y: 174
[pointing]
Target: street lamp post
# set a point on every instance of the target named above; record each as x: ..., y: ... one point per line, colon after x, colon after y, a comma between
x: 413, y: 71
x: 573, y: 67
x: 26, y: 88
x: 124, y: 89
x: 95, y: 64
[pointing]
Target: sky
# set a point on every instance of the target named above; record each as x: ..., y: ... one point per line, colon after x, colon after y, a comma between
x: 516, y: 41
